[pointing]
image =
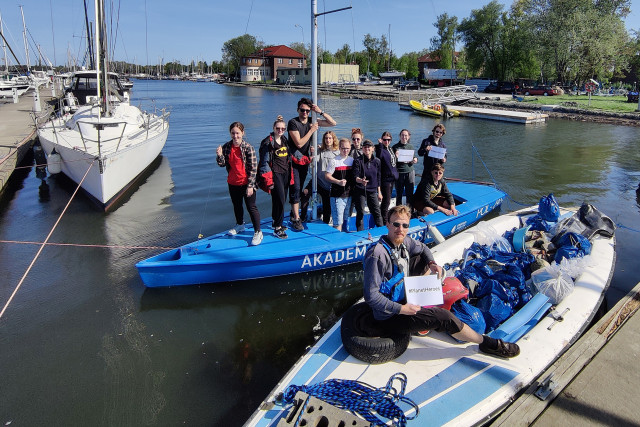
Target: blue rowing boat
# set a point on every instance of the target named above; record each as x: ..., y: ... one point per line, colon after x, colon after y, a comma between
x: 225, y: 258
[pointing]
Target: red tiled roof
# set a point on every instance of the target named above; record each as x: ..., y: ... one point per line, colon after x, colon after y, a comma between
x: 280, y: 51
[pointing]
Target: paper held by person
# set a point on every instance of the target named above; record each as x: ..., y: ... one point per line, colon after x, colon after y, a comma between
x: 423, y: 290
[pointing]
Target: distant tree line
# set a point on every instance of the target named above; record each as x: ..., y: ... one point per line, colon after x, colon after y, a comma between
x: 566, y: 41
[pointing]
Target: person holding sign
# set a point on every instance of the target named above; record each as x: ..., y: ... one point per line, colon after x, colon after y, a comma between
x: 426, y: 149
x: 405, y: 153
x: 433, y: 195
x: 385, y: 265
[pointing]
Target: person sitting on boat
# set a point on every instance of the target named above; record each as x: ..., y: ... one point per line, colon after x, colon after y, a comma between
x: 356, y: 143
x: 300, y: 130
x: 387, y: 261
x: 388, y: 171
x: 340, y: 175
x: 328, y: 151
x: 275, y: 158
x: 433, y: 195
x: 433, y: 140
x: 366, y: 170
x: 406, y: 173
x: 239, y: 157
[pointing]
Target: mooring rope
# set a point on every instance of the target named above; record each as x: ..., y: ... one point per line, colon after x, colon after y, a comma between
x: 42, y: 246
x: 359, y: 398
x: 86, y: 245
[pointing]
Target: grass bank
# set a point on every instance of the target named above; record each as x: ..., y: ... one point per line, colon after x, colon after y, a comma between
x: 614, y: 104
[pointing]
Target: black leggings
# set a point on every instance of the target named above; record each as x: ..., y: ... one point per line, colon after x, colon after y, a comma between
x: 324, y: 197
x: 278, y: 197
x: 404, y: 185
x: 370, y: 198
x: 238, y: 193
x: 385, y: 188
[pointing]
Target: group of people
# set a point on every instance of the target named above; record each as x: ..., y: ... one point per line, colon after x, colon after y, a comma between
x: 352, y: 173
x: 361, y: 172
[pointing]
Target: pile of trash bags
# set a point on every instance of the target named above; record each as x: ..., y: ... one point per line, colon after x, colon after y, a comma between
x: 504, y: 272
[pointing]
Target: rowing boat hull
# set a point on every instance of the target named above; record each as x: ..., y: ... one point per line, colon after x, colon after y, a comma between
x: 453, y: 384
x: 225, y: 258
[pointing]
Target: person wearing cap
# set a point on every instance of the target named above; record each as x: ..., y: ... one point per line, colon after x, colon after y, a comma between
x: 366, y: 170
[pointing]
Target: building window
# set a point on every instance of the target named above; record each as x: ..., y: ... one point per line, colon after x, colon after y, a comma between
x: 290, y: 61
x: 279, y: 60
x: 299, y: 63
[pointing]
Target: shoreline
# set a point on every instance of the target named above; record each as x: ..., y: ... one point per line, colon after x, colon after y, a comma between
x: 388, y: 93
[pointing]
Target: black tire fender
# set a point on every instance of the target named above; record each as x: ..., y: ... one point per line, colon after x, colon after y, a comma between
x: 365, y: 342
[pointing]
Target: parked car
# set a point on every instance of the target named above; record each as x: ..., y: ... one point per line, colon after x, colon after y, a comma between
x: 540, y: 90
x: 502, y: 87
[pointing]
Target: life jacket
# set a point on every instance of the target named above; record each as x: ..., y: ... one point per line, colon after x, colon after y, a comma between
x: 394, y: 287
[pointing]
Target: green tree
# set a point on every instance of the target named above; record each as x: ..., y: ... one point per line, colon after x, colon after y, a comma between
x: 443, y: 44
x: 303, y: 49
x: 343, y: 55
x: 233, y: 50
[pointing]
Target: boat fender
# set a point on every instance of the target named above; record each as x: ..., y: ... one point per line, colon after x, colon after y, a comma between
x: 54, y: 162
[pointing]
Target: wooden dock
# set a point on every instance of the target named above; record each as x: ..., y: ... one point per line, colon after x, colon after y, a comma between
x: 17, y: 131
x: 595, y: 382
x: 523, y: 117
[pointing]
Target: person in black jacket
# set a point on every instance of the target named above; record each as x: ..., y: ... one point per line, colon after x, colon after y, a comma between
x: 433, y: 195
x: 433, y: 140
x: 276, y: 159
x: 366, y: 170
x: 388, y: 171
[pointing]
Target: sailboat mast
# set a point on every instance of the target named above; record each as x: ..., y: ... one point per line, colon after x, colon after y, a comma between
x: 97, y: 41
x: 89, y: 41
x: 24, y: 36
x: 314, y: 97
x: 4, y: 48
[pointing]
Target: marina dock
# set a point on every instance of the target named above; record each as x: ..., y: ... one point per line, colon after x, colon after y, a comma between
x: 594, y: 383
x: 524, y: 117
x: 17, y: 131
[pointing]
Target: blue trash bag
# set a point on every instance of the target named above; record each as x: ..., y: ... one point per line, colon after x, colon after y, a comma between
x: 494, y: 310
x: 537, y: 223
x: 470, y: 315
x: 572, y: 245
x: 548, y: 208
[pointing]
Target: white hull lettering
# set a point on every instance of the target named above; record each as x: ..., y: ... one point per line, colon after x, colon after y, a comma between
x: 325, y: 259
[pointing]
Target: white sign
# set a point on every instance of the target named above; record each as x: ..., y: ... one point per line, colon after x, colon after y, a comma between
x: 437, y: 152
x: 405, y: 156
x: 423, y: 290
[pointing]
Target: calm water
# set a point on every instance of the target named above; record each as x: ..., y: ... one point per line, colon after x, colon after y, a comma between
x: 85, y: 343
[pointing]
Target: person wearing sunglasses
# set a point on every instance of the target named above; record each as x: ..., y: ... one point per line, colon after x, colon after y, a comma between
x: 301, y: 129
x: 275, y: 169
x: 397, y: 254
x: 388, y: 171
x: 433, y: 195
x: 356, y: 143
x: 433, y: 140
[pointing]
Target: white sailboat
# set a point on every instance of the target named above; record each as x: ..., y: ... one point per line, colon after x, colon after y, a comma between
x: 104, y: 146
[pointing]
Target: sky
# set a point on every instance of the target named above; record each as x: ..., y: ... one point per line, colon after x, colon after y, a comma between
x: 161, y: 31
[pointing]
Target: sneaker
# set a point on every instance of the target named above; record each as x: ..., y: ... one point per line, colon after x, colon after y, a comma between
x: 257, y: 238
x: 239, y: 228
x: 280, y: 233
x: 296, y: 224
x: 504, y: 349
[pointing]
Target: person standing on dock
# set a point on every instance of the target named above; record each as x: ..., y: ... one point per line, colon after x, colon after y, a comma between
x: 406, y: 173
x: 433, y: 140
x: 396, y: 255
x: 301, y: 129
x: 275, y: 158
x: 239, y: 157
x: 388, y: 171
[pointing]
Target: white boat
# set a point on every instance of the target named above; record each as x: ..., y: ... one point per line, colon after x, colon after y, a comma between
x: 453, y: 383
x: 104, y: 146
x: 20, y: 85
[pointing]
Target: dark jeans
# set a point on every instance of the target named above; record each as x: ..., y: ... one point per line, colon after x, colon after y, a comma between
x: 299, y: 177
x: 386, y: 188
x: 361, y: 197
x: 431, y: 318
x: 238, y: 193
x: 324, y: 197
x: 278, y: 197
x: 404, y: 185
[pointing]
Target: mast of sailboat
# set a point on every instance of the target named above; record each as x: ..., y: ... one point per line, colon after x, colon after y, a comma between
x: 314, y: 97
x: 26, y: 43
x: 102, y: 63
x: 89, y: 41
x: 4, y: 48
